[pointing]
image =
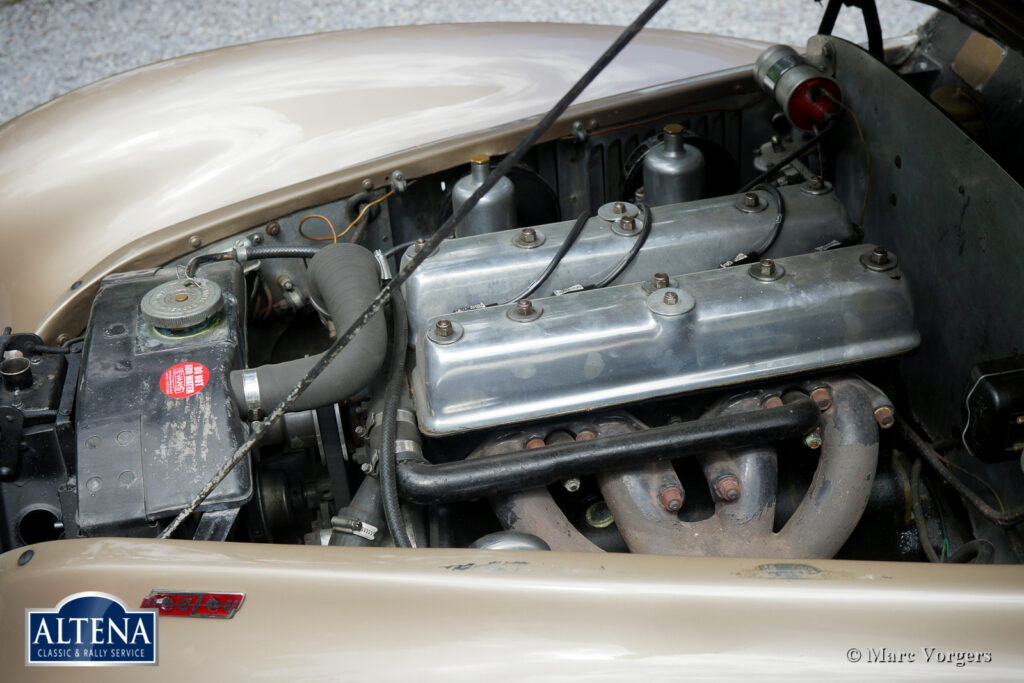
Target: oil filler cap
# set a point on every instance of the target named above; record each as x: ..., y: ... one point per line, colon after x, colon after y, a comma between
x: 182, y: 304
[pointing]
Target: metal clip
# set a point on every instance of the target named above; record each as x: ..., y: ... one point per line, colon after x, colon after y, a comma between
x: 383, y: 265
x: 568, y: 290
x: 182, y: 274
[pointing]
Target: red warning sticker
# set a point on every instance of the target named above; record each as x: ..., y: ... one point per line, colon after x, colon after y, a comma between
x: 184, y: 379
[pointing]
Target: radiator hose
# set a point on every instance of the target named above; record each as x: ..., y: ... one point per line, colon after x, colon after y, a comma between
x: 345, y: 277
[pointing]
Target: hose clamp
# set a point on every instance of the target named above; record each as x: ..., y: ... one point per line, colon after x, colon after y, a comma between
x: 412, y: 450
x: 408, y: 446
x: 344, y: 524
x: 251, y: 391
x: 402, y: 415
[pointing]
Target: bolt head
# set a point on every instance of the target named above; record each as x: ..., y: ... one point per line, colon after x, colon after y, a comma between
x: 527, y: 235
x: 443, y: 328
x: 420, y: 242
x: 816, y: 183
x: 571, y: 485
x: 627, y: 223
x: 813, y: 440
x: 751, y: 200
x: 660, y: 280
x: 767, y: 267
x: 524, y: 307
x: 367, y: 184
x: 273, y: 228
x: 195, y: 241
x: 535, y: 443
x: 618, y: 207
x: 671, y: 298
x: 728, y: 488
x: 772, y: 402
x: 880, y: 256
x: 671, y: 498
x: 585, y: 435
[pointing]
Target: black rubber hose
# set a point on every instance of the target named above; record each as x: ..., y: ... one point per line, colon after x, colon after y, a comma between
x: 800, y: 151
x: 563, y: 249
x: 422, y: 482
x: 978, y: 551
x: 396, y: 386
x: 250, y: 254
x: 346, y: 278
x: 39, y: 348
x: 365, y: 508
x: 256, y: 253
x: 1009, y: 518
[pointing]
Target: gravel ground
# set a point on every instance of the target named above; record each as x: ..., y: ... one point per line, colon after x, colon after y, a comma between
x: 48, y: 47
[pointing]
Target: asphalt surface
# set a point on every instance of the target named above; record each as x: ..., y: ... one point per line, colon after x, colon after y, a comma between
x: 48, y: 47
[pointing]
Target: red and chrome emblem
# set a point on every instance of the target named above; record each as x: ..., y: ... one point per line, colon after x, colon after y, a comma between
x: 210, y: 605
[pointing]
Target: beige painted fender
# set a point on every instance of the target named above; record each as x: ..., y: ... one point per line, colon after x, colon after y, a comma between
x: 123, y: 173
x: 384, y: 614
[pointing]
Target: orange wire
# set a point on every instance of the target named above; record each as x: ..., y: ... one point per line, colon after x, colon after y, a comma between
x: 334, y: 233
x: 363, y: 213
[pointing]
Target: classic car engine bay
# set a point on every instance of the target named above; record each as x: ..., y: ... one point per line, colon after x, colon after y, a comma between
x: 773, y: 317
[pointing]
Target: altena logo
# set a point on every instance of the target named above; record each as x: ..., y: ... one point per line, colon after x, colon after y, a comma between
x: 90, y: 629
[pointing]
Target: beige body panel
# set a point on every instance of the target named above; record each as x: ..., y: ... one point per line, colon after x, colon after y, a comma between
x: 100, y: 179
x: 369, y: 614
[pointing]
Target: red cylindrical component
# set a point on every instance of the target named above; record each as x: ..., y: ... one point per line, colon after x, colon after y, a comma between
x: 809, y: 106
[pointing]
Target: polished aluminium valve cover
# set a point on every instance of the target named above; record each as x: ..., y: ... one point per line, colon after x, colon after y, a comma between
x: 606, y: 347
x: 685, y: 238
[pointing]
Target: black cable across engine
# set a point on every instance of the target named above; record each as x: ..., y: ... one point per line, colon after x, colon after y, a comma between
x: 446, y: 229
x: 563, y: 249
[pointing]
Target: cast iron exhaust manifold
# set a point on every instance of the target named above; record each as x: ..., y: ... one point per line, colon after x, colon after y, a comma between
x: 743, y: 484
